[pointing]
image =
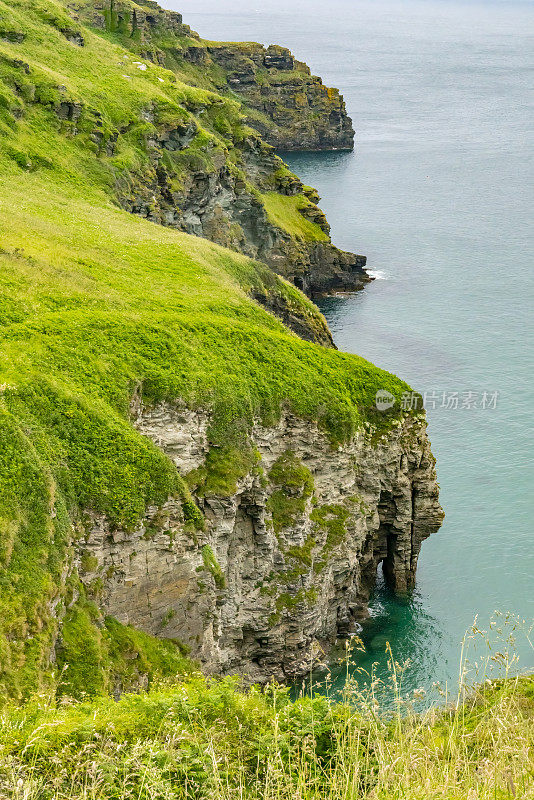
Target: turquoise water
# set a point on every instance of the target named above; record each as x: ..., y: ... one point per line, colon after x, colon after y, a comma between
x: 438, y: 196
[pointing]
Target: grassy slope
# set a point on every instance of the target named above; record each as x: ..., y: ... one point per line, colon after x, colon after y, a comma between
x: 284, y: 212
x: 105, y: 77
x: 95, y: 302
x: 210, y: 740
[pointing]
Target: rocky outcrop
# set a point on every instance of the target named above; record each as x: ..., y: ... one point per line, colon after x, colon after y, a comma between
x: 291, y: 108
x: 295, y: 111
x: 287, y: 560
x: 220, y: 207
x: 208, y: 173
x: 309, y: 325
x: 219, y: 202
x: 138, y: 20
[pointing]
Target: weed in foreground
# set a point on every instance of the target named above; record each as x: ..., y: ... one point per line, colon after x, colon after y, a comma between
x: 211, y: 738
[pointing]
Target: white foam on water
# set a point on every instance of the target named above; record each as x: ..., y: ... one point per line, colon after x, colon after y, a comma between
x: 378, y: 274
x: 357, y: 630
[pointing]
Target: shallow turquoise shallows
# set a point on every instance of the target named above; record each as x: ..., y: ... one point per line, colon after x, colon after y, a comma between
x: 437, y: 196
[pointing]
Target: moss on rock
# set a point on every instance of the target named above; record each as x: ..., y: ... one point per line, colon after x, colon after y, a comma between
x: 213, y: 566
x: 293, y: 484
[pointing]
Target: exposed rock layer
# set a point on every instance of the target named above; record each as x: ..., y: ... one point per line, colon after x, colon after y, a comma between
x: 295, y: 110
x: 220, y: 205
x: 287, y: 561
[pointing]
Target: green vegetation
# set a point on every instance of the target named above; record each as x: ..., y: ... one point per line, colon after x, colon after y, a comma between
x: 285, y: 212
x: 332, y: 520
x: 209, y: 739
x: 101, y: 657
x: 223, y: 467
x: 290, y: 472
x: 302, y: 554
x: 294, y: 486
x: 213, y: 567
x: 287, y: 602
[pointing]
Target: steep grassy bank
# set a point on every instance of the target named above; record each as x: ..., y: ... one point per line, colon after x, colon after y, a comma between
x: 210, y: 740
x: 97, y: 303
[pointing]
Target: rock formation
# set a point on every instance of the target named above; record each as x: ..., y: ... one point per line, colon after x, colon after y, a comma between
x: 290, y: 107
x: 284, y: 102
x: 286, y: 562
x: 215, y: 200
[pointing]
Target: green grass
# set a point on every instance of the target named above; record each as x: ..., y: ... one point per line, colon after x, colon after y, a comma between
x: 284, y: 212
x: 213, y: 566
x: 332, y: 520
x: 96, y: 302
x: 103, y: 657
x: 294, y: 485
x: 203, y: 738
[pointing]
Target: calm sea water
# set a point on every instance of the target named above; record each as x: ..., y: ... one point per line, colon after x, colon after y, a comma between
x: 438, y: 196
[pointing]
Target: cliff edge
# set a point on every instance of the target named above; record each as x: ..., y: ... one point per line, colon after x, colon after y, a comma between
x: 287, y: 558
x: 208, y: 164
x: 291, y: 108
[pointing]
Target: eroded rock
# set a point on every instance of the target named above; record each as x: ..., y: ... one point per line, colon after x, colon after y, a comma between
x: 297, y: 545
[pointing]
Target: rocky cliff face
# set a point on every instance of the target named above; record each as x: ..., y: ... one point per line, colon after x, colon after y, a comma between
x: 287, y: 560
x: 290, y: 107
x: 284, y: 102
x: 228, y: 203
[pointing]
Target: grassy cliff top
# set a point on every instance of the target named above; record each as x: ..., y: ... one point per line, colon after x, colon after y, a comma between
x: 96, y: 301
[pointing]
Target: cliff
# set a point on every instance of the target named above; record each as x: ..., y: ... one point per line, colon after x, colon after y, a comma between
x: 283, y: 101
x: 178, y: 468
x: 204, y: 168
x: 287, y: 558
x: 176, y: 464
